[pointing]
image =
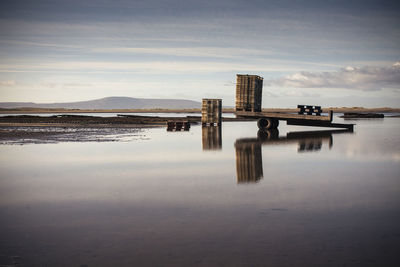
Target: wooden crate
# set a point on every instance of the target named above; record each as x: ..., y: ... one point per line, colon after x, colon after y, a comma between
x: 211, y: 112
x: 248, y: 92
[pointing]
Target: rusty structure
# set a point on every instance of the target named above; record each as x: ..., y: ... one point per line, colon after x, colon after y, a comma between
x: 211, y: 112
x: 248, y: 92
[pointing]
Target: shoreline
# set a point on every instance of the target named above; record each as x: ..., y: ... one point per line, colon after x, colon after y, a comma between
x: 195, y: 111
x: 84, y: 121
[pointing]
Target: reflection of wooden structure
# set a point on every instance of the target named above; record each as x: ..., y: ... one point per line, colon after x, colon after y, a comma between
x: 248, y: 104
x: 307, y: 141
x: 310, y: 145
x: 211, y: 137
x: 248, y: 150
x: 211, y: 112
x: 248, y: 162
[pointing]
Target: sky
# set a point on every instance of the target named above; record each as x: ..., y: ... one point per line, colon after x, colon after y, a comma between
x: 328, y: 53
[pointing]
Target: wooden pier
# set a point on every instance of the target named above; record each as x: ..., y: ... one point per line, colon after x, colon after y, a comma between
x: 248, y: 105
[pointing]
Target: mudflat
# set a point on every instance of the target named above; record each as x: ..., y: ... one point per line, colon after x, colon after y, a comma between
x: 224, y: 110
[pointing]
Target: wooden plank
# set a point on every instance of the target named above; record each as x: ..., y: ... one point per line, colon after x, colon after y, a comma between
x: 283, y: 116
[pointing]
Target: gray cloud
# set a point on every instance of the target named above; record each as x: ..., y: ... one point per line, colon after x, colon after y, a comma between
x: 7, y: 83
x: 365, y: 78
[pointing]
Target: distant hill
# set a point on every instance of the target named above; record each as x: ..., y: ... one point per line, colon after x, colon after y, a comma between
x: 111, y: 103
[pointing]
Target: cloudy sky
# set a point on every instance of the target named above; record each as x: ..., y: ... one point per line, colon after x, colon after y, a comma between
x: 329, y: 53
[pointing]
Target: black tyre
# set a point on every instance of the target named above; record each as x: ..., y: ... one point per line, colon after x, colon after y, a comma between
x: 264, y: 135
x: 267, y: 123
x: 275, y: 124
x: 264, y: 123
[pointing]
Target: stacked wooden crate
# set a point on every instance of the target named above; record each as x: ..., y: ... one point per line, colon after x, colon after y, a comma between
x: 248, y: 92
x: 211, y: 112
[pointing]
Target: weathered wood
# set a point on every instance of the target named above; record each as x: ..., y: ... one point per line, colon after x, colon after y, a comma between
x: 211, y: 111
x: 282, y: 116
x: 298, y: 119
x: 309, y: 110
x: 248, y: 92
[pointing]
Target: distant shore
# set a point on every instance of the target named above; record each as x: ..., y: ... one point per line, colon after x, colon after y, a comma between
x: 225, y: 110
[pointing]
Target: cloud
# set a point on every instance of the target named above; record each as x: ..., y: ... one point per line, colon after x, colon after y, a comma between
x: 154, y: 67
x: 365, y: 78
x: 204, y: 52
x: 8, y: 83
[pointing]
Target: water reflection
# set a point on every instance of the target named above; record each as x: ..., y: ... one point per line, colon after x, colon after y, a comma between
x: 211, y: 137
x: 248, y: 161
x: 248, y: 150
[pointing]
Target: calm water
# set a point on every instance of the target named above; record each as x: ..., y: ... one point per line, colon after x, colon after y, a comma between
x: 206, y: 197
x: 109, y: 114
x: 115, y: 114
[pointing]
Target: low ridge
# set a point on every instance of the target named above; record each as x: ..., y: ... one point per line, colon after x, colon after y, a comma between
x: 114, y: 102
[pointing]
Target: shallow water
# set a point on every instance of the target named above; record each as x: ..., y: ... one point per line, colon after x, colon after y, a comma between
x: 112, y: 114
x: 206, y: 197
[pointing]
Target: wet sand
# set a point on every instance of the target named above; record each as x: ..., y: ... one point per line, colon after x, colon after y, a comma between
x: 79, y: 120
x: 198, y: 111
x: 25, y: 129
x: 49, y: 134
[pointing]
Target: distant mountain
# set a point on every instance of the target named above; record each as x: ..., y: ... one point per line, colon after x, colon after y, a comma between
x: 111, y: 103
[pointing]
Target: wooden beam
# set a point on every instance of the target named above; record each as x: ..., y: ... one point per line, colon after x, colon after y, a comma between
x: 283, y: 116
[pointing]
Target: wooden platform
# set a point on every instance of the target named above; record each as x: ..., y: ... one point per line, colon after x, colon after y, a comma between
x: 283, y: 116
x: 297, y: 119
